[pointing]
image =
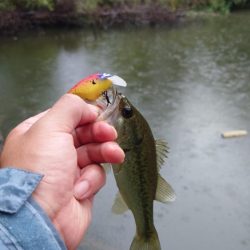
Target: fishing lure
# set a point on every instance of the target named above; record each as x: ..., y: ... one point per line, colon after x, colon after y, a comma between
x: 93, y: 86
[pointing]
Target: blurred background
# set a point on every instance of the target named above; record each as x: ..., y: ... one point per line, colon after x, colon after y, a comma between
x: 191, y: 81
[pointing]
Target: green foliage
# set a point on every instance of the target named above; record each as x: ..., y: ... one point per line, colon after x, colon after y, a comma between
x: 47, y: 4
x: 34, y: 5
x: 92, y: 4
x: 6, y: 5
x: 222, y: 6
x: 27, y: 4
x: 88, y: 4
x: 175, y: 4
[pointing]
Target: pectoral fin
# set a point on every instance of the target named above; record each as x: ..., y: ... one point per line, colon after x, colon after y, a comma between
x: 119, y: 206
x: 161, y: 152
x: 164, y: 192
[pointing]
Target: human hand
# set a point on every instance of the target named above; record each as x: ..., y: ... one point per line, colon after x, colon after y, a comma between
x: 66, y: 145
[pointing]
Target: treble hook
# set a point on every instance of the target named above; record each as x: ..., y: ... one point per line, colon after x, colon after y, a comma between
x: 105, y: 94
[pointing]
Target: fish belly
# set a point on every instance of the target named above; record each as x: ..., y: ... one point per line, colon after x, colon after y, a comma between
x: 137, y: 181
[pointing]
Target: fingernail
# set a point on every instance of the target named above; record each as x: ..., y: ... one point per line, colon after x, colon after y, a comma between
x: 114, y: 131
x: 109, y: 127
x: 81, y: 189
x: 117, y: 154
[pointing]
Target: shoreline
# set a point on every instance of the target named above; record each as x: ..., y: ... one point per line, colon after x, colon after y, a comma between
x: 14, y: 22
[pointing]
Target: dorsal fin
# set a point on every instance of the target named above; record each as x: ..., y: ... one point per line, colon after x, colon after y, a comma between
x: 161, y: 152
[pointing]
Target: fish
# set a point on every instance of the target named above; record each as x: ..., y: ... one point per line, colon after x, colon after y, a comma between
x: 138, y: 178
x: 95, y: 85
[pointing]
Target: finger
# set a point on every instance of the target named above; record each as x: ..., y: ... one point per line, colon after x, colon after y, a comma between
x: 95, y: 132
x: 69, y: 112
x: 109, y: 152
x: 91, y: 180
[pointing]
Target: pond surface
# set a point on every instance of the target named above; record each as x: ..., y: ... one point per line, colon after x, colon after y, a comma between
x: 191, y: 82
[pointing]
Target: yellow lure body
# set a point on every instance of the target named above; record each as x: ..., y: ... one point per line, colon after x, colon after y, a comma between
x: 91, y: 88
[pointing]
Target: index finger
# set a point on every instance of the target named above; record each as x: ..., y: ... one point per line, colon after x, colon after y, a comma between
x: 94, y: 132
x: 69, y: 112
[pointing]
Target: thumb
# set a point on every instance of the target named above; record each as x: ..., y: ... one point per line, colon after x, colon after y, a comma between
x: 69, y: 112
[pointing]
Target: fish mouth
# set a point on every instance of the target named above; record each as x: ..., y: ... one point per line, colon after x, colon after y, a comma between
x: 108, y: 104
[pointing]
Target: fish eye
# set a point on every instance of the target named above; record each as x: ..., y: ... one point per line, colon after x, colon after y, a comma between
x: 127, y: 112
x: 93, y: 82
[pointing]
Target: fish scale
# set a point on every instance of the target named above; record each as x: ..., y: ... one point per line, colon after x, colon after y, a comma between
x: 144, y: 200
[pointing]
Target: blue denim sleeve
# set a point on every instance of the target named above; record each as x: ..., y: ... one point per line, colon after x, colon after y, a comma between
x: 23, y: 224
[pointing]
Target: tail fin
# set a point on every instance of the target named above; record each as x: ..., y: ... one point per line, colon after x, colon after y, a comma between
x: 140, y: 243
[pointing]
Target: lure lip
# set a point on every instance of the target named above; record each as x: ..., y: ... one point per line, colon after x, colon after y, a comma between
x: 117, y: 80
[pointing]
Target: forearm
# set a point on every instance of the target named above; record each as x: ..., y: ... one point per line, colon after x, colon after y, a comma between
x: 23, y: 224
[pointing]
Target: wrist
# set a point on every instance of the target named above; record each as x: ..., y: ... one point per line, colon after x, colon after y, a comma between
x: 45, y: 198
x: 48, y: 210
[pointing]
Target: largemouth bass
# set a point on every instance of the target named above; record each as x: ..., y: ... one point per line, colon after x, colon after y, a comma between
x: 138, y: 178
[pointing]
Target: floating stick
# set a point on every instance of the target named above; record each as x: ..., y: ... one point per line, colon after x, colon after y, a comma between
x: 234, y: 133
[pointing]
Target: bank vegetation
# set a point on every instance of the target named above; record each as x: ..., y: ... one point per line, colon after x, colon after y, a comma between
x: 18, y: 14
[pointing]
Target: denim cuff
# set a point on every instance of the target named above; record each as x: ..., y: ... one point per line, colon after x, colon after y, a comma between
x: 29, y: 229
x: 23, y: 223
x: 16, y: 186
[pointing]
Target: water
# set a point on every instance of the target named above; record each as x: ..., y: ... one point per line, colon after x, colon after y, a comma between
x: 191, y: 82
